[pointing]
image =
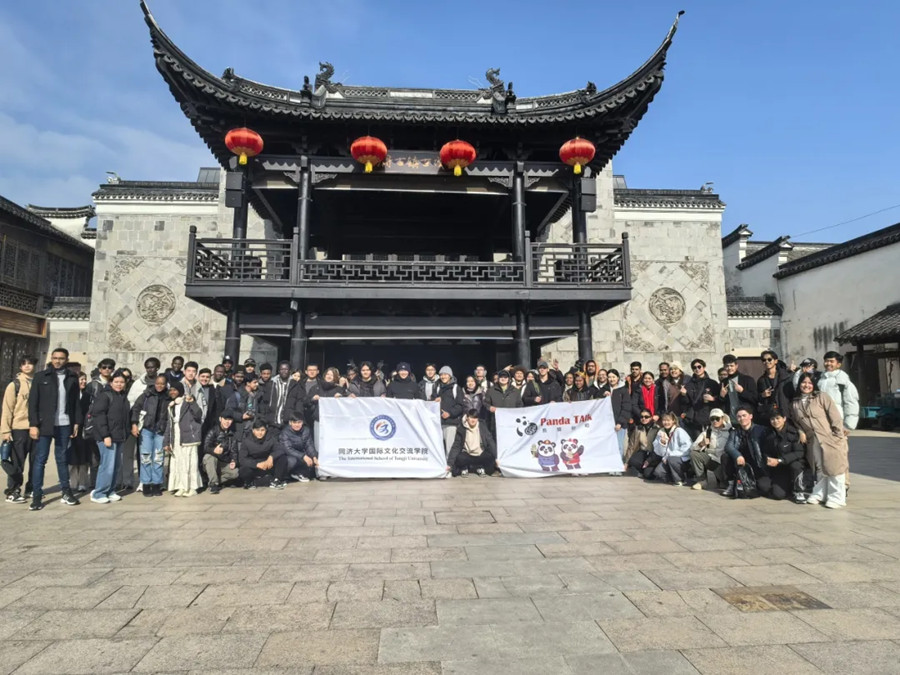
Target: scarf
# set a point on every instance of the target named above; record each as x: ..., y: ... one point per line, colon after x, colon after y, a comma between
x: 648, y: 395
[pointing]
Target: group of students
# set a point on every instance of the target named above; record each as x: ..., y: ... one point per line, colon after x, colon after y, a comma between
x: 254, y: 427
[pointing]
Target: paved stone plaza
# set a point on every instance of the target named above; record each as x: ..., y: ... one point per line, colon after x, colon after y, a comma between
x: 470, y: 575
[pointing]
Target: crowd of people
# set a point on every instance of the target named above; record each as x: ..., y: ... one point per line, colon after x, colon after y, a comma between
x: 783, y: 435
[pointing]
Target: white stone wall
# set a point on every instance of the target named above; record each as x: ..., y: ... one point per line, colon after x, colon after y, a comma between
x: 74, y: 335
x: 822, y: 302
x: 138, y: 305
x: 749, y: 337
x: 757, y: 280
x: 677, y: 311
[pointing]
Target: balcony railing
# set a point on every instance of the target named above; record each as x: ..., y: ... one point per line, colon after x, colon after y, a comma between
x: 274, y: 261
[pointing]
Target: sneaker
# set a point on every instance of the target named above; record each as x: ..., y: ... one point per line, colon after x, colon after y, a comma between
x: 480, y: 472
x: 139, y: 488
x: 81, y: 488
x: 302, y: 478
x: 249, y: 486
x: 799, y: 498
x: 323, y: 477
x: 188, y: 493
x: 833, y: 505
x: 113, y: 497
x: 678, y: 483
x: 813, y: 500
x: 729, y: 491
x: 697, y: 486
x: 178, y: 493
x: 28, y: 494
x: 215, y: 489
x: 36, y: 505
x: 69, y: 499
x: 15, y: 498
x: 464, y: 472
x: 276, y: 484
x: 99, y: 500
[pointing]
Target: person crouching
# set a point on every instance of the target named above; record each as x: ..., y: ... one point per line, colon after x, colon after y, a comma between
x: 220, y: 454
x: 300, y: 450
x: 257, y: 459
x: 473, y: 447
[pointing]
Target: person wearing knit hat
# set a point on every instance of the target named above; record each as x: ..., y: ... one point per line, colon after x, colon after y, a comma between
x: 176, y: 387
x: 453, y: 399
x: 446, y: 370
x: 403, y: 386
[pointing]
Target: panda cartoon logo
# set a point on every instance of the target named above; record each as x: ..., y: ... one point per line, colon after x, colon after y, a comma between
x: 570, y: 450
x: 525, y: 427
x: 545, y: 451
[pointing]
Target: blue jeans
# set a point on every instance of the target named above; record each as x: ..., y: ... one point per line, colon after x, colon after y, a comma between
x: 60, y: 440
x: 620, y: 435
x: 151, y: 470
x: 110, y: 459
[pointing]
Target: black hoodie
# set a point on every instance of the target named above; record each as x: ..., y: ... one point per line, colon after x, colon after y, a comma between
x: 405, y: 388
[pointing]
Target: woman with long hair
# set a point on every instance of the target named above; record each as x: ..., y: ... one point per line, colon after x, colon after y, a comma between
x: 474, y: 397
x: 111, y: 414
x: 673, y: 445
x: 81, y: 450
x: 826, y: 445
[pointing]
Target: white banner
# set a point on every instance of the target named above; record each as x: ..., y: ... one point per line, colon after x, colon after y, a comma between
x: 380, y: 438
x: 558, y: 439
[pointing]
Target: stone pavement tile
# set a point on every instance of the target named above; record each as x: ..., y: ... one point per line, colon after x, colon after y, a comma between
x: 169, y: 597
x: 500, y: 552
x: 683, y: 579
x: 632, y: 635
x: 428, y: 554
x: 63, y: 577
x: 542, y: 526
x: 269, y: 593
x: 66, y: 597
x: 853, y: 624
x: 88, y: 656
x: 402, y: 590
x: 660, y: 545
x: 593, y: 535
x: 695, y: 559
x: 593, y: 607
x: 332, y: 647
x: 487, y: 528
x: 751, y: 661
x: 703, y: 541
x: 384, y: 614
x: 319, y: 543
x: 575, y: 550
x: 762, y: 575
x: 535, y: 585
x: 500, y: 539
x: 516, y: 666
x: 624, y: 563
x: 220, y: 574
x: 358, y: 589
x: 9, y: 595
x: 314, y: 591
x: 845, y: 553
x: 126, y: 558
x: 678, y: 603
x: 447, y: 589
x: 146, y: 624
x: 202, y: 652
x: 626, y: 580
x: 162, y: 575
x: 761, y: 628
x: 14, y: 653
x: 875, y: 657
x: 838, y: 572
x: 853, y: 595
x: 421, y: 668
x: 387, y: 571
x: 410, y: 529
x: 771, y: 556
x: 276, y: 618
x: 484, y: 611
x: 307, y: 572
x: 403, y: 541
x: 636, y: 663
x: 198, y: 620
x: 353, y: 555
x: 464, y: 516
x: 533, y: 640
x: 436, y: 643
x: 579, y: 582
x: 79, y: 623
x: 490, y: 568
x: 125, y: 597
x: 486, y: 587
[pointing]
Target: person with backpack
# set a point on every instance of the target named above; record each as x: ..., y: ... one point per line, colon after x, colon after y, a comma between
x: 110, y: 425
x: 149, y: 419
x: 14, y: 430
x: 743, y: 452
x: 452, y: 400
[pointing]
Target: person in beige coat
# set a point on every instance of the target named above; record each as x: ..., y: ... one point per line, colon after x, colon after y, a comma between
x: 14, y: 428
x: 826, y: 445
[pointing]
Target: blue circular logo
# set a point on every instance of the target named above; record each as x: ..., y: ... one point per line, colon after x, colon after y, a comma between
x: 383, y: 428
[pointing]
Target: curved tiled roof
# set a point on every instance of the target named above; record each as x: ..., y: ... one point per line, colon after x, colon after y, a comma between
x: 735, y: 235
x: 63, y: 211
x: 41, y: 225
x: 765, y: 252
x: 72, y: 309
x: 667, y: 199
x: 752, y: 307
x: 867, y: 242
x: 882, y: 327
x: 157, y: 191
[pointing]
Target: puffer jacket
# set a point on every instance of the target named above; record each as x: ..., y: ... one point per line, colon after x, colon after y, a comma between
x: 586, y: 393
x: 621, y: 405
x: 253, y: 450
x: 678, y: 445
x: 224, y: 437
x: 190, y: 422
x: 497, y: 397
x: 843, y: 392
x: 755, y: 437
x: 111, y: 415
x: 718, y: 438
x: 452, y: 399
x: 154, y: 405
x: 298, y: 444
x: 404, y: 388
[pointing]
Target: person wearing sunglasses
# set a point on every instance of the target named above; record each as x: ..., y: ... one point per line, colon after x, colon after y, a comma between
x: 699, y: 396
x: 772, y: 388
x: 640, y: 456
x: 706, y: 452
x: 738, y: 390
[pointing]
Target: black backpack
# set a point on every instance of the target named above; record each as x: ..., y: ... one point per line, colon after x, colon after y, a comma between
x: 745, y: 484
x: 89, y: 426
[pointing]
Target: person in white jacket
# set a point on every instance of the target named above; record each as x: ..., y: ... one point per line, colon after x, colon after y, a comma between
x: 673, y: 445
x: 706, y: 452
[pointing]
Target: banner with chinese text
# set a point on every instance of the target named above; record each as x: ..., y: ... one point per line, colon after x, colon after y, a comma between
x: 558, y: 439
x: 380, y: 438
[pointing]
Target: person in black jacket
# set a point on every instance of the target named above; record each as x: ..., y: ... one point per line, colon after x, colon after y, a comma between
x: 403, y: 386
x: 699, y: 395
x: 245, y: 406
x: 501, y: 395
x: 149, y: 418
x: 452, y: 399
x: 53, y: 418
x: 580, y: 391
x: 298, y: 445
x: 473, y: 447
x: 773, y: 388
x: 546, y: 388
x: 328, y: 387
x: 784, y: 463
x: 277, y: 394
x: 258, y: 459
x: 220, y: 454
x: 112, y: 415
x: 620, y: 399
x: 738, y: 390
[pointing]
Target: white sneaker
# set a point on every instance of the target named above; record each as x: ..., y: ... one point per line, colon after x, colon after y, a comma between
x: 99, y: 500
x: 813, y: 500
x: 302, y: 478
x: 833, y: 505
x: 697, y: 486
x: 479, y: 471
x: 113, y: 497
x: 464, y: 472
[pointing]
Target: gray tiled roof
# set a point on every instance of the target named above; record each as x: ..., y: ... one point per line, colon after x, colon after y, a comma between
x: 752, y: 307
x: 69, y: 308
x: 158, y: 191
x: 882, y: 327
x: 868, y: 242
x: 40, y: 225
x: 671, y: 199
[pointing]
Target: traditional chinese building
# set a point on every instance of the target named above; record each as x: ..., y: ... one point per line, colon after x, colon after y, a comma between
x: 495, y: 264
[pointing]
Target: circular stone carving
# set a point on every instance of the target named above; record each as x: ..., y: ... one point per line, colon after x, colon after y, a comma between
x: 667, y: 305
x: 156, y: 303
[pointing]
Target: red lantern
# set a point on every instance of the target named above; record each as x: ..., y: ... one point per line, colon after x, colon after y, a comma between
x: 457, y: 155
x: 244, y: 142
x: 368, y: 150
x: 577, y: 152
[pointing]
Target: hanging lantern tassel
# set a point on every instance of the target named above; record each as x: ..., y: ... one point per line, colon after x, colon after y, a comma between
x: 244, y: 143
x: 369, y: 151
x: 576, y: 153
x: 457, y: 155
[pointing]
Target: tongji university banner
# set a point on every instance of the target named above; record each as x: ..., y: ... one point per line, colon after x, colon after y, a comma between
x: 558, y: 439
x: 380, y: 438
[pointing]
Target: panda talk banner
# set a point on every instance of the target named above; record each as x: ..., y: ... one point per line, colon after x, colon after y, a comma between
x: 380, y: 438
x: 557, y: 439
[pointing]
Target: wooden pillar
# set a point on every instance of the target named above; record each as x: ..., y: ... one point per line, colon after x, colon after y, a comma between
x: 518, y: 213
x: 579, y: 236
x: 299, y: 339
x: 233, y: 335
x: 861, y: 374
x: 304, y: 205
x: 523, y: 339
x: 236, y: 197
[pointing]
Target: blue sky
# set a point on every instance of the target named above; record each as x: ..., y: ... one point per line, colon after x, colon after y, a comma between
x: 790, y: 108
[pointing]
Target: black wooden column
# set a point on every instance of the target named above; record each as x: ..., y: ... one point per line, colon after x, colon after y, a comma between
x: 579, y: 236
x: 523, y: 338
x: 299, y: 336
x: 236, y: 197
